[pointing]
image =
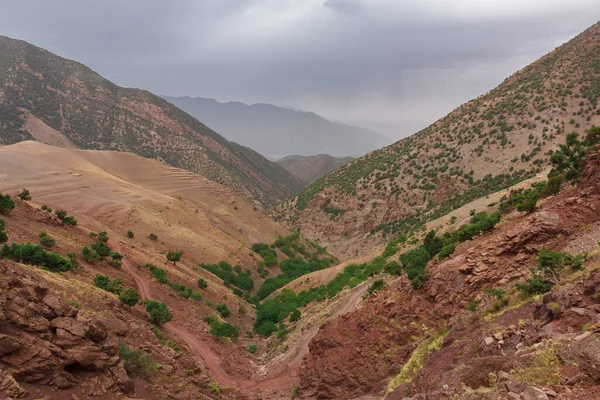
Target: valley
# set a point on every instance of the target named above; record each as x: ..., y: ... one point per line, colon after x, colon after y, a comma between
x: 145, y: 256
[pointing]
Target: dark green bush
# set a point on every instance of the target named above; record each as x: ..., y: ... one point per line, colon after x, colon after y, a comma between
x: 129, y: 297
x: 224, y: 329
x: 159, y: 312
x: 25, y: 195
x: 223, y: 310
x: 6, y: 204
x: 35, y: 255
x: 46, y: 240
x: 446, y: 251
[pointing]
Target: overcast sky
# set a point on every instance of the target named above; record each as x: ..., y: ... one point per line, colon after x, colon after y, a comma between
x: 392, y: 65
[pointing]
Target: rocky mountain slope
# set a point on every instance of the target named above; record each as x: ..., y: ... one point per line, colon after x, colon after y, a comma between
x: 61, y: 102
x: 310, y: 168
x: 276, y: 131
x: 66, y: 327
x: 489, y: 143
x: 513, y: 314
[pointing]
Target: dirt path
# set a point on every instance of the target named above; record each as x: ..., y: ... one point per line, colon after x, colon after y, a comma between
x: 283, y: 379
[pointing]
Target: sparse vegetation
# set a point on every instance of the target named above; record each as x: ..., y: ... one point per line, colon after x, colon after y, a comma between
x: 130, y: 234
x: 152, y: 236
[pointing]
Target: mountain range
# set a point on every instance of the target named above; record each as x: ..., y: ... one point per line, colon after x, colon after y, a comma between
x: 62, y: 102
x: 276, y: 132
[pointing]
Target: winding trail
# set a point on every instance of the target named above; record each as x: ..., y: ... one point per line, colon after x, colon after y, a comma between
x: 284, y: 379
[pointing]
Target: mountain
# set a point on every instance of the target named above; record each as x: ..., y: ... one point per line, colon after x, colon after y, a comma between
x: 62, y: 102
x: 311, y: 168
x: 500, y: 138
x: 277, y: 132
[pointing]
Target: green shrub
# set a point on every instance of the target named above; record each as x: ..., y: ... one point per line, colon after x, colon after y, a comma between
x: 90, y: 255
x: 158, y: 312
x: 251, y: 348
x: 152, y: 236
x: 6, y: 204
x: 295, y: 316
x: 268, y: 255
x: 130, y: 234
x: 223, y: 310
x: 25, y: 195
x: 104, y: 282
x: 202, y: 284
x: 129, y: 297
x: 535, y: 285
x: 267, y: 329
x: 446, y: 251
x: 35, y: 255
x: 46, y: 240
x: 46, y: 208
x: 64, y: 218
x: 224, y: 329
x: 472, y: 304
x: 137, y: 363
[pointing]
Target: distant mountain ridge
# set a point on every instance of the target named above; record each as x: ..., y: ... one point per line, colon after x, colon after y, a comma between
x: 62, y: 102
x: 311, y: 168
x: 280, y: 131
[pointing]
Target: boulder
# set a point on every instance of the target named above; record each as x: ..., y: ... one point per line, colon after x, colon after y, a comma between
x: 533, y: 393
x: 10, y: 387
x: 9, y: 344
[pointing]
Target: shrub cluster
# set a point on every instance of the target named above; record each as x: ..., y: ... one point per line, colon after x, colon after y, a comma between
x: 103, y: 282
x: 184, y: 291
x: 35, y: 255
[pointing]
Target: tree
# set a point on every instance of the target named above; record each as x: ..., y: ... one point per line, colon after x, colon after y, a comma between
x: 103, y: 236
x: 130, y: 234
x: 152, y: 236
x: 101, y: 248
x: 46, y: 208
x: 6, y: 204
x: 202, y: 283
x: 158, y: 311
x: 24, y: 195
x: 129, y: 297
x: 174, y: 256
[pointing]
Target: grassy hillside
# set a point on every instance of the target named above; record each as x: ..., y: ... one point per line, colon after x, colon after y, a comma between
x: 487, y: 144
x: 45, y: 95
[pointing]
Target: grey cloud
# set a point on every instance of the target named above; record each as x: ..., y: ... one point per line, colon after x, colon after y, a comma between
x: 396, y: 65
